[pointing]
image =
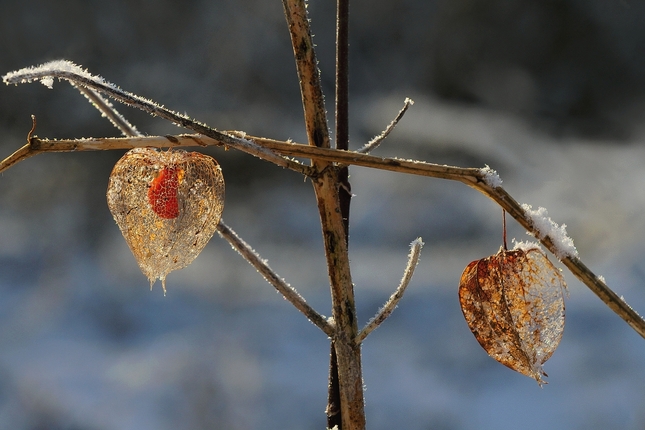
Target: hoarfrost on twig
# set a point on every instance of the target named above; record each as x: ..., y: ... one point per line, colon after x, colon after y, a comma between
x: 45, y: 73
x: 525, y: 245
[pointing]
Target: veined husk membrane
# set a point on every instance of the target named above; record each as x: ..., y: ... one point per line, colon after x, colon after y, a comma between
x: 167, y: 205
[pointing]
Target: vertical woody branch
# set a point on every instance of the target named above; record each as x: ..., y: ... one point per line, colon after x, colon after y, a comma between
x: 341, y: 123
x: 342, y: 102
x: 327, y: 184
x: 313, y: 101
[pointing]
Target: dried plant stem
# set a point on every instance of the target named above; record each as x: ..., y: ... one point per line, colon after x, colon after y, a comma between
x: 472, y: 177
x: 376, y: 141
x: 341, y: 124
x: 326, y: 186
x: 313, y: 102
x: 283, y: 288
x: 82, y: 79
x: 393, y: 301
x: 343, y: 308
x: 36, y: 145
x: 342, y: 75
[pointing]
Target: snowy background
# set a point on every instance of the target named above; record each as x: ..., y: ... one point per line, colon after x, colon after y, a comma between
x: 550, y: 94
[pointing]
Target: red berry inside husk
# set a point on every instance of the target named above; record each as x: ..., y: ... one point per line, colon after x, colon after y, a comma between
x: 162, y: 193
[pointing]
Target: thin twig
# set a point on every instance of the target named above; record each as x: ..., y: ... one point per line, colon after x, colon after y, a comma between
x: 376, y: 141
x: 390, y: 305
x: 80, y: 77
x: 108, y: 110
x: 335, y: 405
x: 278, y: 283
x: 342, y: 109
x: 342, y: 75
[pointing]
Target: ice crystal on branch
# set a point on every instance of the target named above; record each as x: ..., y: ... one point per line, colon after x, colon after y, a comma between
x: 491, y: 177
x: 45, y: 73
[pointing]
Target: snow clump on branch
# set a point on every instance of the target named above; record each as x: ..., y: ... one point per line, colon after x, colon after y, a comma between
x: 545, y: 226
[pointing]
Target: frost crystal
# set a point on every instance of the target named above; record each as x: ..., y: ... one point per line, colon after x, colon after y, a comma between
x: 545, y: 226
x: 525, y: 246
x: 491, y: 177
x: 48, y: 82
x: 46, y: 71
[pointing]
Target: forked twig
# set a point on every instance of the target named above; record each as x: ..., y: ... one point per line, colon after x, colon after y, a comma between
x: 390, y: 305
x: 106, y: 108
x: 287, y: 291
x: 81, y: 78
x: 333, y: 203
x: 376, y: 141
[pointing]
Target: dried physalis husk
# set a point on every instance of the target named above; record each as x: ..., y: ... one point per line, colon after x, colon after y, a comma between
x: 513, y: 303
x: 167, y: 205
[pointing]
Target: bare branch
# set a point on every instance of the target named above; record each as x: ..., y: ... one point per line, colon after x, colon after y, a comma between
x: 80, y: 77
x: 37, y: 145
x: 478, y: 179
x: 390, y: 305
x: 313, y: 102
x: 21, y: 154
x: 376, y: 141
x: 278, y: 283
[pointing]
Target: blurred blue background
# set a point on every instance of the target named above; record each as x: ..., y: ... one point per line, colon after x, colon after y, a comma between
x: 548, y: 93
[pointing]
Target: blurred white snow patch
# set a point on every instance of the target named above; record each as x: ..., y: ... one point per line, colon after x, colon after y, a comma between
x: 491, y: 177
x: 545, y: 226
